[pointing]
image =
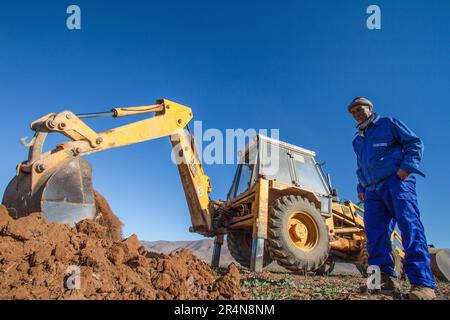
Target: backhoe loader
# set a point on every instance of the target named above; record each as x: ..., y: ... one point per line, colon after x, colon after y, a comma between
x: 290, y: 214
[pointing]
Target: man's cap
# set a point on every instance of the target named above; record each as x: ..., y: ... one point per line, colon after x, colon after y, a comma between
x: 360, y: 101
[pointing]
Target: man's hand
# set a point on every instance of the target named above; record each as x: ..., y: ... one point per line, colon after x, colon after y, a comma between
x: 403, y: 174
x: 361, y: 196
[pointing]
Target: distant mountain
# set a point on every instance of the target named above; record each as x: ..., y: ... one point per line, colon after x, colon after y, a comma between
x: 203, y: 250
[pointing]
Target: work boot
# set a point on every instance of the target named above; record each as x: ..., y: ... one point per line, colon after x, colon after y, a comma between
x: 421, y: 293
x: 389, y: 283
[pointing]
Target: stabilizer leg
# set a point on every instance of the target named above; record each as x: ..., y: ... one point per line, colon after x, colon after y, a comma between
x: 218, y: 241
x: 256, y: 263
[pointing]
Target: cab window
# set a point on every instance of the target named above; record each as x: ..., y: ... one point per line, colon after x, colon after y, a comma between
x: 308, y: 175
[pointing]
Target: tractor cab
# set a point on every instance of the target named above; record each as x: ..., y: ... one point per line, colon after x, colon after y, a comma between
x: 281, y: 162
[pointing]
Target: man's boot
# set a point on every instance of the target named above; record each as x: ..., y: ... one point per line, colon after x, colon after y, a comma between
x: 388, y: 285
x: 421, y: 293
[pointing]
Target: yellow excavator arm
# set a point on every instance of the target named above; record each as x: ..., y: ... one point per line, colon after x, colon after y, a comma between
x: 169, y: 119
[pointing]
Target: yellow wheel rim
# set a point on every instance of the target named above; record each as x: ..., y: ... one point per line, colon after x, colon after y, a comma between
x: 303, y: 231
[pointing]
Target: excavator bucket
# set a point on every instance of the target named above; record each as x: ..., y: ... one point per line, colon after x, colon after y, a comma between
x: 66, y: 197
x: 440, y: 263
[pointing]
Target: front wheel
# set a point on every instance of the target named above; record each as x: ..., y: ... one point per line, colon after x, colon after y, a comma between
x: 297, y: 235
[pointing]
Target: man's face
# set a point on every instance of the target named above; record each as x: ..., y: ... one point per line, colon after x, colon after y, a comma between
x: 361, y: 113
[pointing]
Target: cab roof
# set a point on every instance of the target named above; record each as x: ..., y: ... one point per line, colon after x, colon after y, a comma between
x: 282, y: 144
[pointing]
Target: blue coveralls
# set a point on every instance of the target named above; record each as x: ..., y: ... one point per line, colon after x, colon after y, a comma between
x: 386, y: 146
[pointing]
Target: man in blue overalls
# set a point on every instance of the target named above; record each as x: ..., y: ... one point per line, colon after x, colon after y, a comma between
x: 388, y: 154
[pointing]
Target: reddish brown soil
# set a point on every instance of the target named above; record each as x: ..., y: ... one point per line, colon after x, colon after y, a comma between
x: 35, y: 256
x: 105, y: 217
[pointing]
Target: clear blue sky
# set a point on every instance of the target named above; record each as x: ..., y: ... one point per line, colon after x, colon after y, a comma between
x: 292, y: 65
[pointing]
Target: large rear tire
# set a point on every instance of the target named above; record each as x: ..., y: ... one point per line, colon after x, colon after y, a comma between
x: 364, y: 263
x: 240, y: 246
x: 297, y: 234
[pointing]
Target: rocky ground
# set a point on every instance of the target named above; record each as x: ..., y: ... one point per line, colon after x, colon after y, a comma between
x: 287, y: 286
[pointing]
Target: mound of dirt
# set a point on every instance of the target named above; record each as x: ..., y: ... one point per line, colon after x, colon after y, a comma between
x: 106, y: 217
x: 42, y: 260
